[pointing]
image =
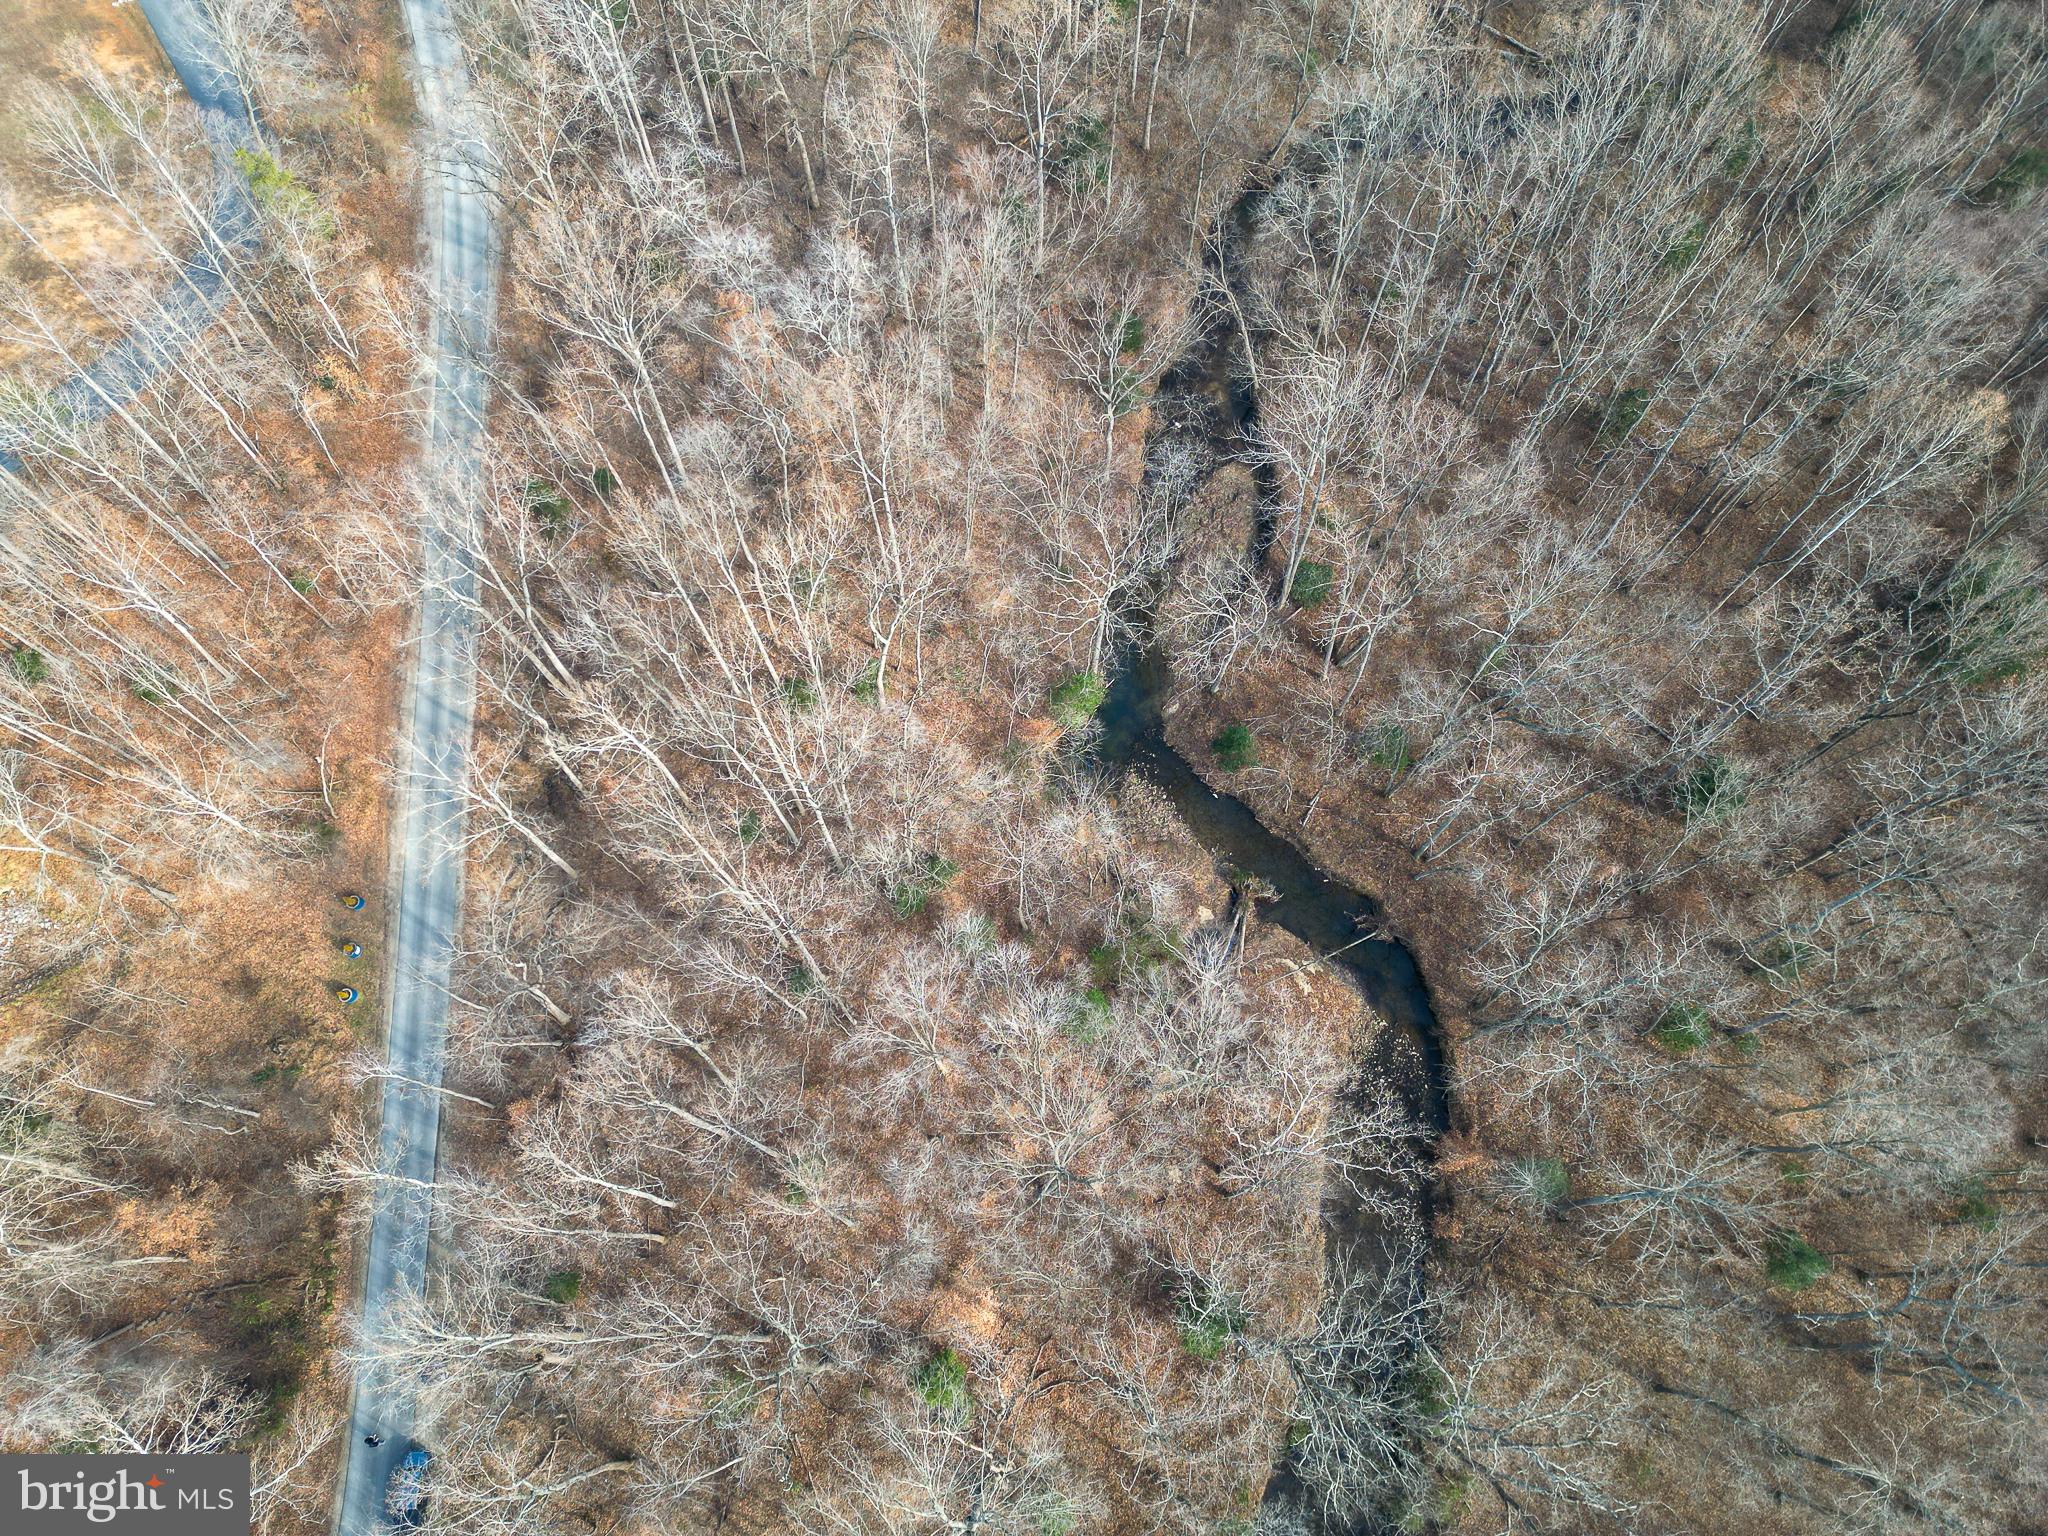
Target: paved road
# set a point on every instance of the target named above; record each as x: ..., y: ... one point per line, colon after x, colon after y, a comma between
x: 189, y: 306
x: 428, y: 810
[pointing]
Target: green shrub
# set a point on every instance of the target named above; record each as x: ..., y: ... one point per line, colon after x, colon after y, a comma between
x: 1088, y: 1021
x: 28, y: 663
x: 2025, y: 171
x: 278, y: 1394
x: 1083, y: 153
x: 300, y: 582
x: 275, y: 187
x: 1126, y: 391
x: 548, y: 506
x: 1204, y: 1339
x: 798, y: 694
x: 809, y: 583
x: 733, y: 1400
x: 1235, y: 748
x: 867, y: 682
x: 910, y: 895
x: 1995, y: 617
x: 1741, y: 150
x: 563, y: 1286
x: 271, y: 1321
x: 1713, y: 791
x: 1683, y: 251
x: 1837, y: 382
x: 1208, y: 1320
x: 975, y: 934
x: 1075, y: 699
x: 154, y: 687
x: 1054, y: 1515
x: 1130, y: 334
x: 1440, y: 1508
x: 1386, y: 746
x: 749, y: 828
x: 1313, y: 582
x: 603, y: 481
x: 1785, y: 959
x: 1683, y: 1027
x: 1430, y: 1390
x: 1794, y: 1264
x: 1136, y: 952
x: 942, y: 1383
x: 1543, y: 1182
x: 1619, y: 416
x: 1977, y: 1206
x: 21, y: 1126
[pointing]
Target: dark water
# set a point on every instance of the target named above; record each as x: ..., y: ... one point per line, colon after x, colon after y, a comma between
x: 1324, y: 913
x: 1344, y: 925
x: 1206, y: 398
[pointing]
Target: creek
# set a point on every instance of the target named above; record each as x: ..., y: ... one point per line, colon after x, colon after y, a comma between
x: 1332, y: 918
x: 1203, y: 398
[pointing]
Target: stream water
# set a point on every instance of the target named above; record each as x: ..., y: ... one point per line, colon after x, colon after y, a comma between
x: 1329, y: 916
x: 1203, y: 397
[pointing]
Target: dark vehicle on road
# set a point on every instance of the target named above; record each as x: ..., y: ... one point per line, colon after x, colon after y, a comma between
x: 406, y: 1499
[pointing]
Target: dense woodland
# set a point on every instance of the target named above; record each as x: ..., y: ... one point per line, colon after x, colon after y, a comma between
x: 1655, y: 605
x: 1583, y: 467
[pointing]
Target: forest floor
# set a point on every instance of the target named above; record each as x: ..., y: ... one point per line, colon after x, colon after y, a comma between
x: 80, y: 232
